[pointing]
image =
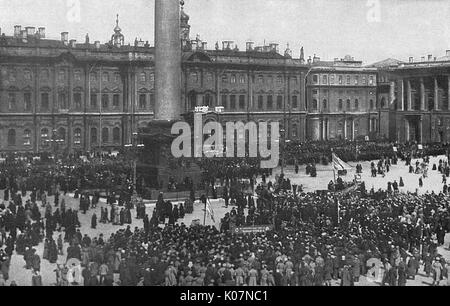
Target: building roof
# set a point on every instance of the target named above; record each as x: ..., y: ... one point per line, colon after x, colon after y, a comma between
x: 389, y: 62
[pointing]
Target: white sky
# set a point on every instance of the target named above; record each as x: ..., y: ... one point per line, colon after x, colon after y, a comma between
x: 328, y: 28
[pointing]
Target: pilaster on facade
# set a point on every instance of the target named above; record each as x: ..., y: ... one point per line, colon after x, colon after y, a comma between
x: 436, y: 94
x: 422, y: 95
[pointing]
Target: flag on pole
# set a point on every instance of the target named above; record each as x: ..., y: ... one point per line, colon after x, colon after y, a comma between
x: 339, y: 164
x: 210, y: 211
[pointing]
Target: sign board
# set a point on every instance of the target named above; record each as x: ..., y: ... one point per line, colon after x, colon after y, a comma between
x: 202, y: 109
x: 253, y: 229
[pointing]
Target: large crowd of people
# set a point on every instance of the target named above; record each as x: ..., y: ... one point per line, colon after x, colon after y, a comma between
x: 311, y: 238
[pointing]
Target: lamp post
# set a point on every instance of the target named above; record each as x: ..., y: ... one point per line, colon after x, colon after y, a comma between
x: 134, y: 146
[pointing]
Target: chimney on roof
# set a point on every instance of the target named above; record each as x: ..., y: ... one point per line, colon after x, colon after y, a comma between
x: 73, y: 43
x: 309, y: 60
x: 422, y: 59
x: 17, y: 31
x: 430, y: 57
x: 23, y: 34
x: 65, y: 37
x: 204, y: 45
x: 30, y: 31
x: 97, y: 44
x: 447, y: 53
x: 411, y: 59
x: 224, y: 45
x: 41, y: 32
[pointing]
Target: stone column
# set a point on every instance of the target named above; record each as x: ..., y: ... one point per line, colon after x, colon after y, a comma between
x: 345, y: 128
x: 422, y: 95
x: 448, y: 92
x: 391, y: 94
x: 401, y: 93
x: 436, y: 94
x: 409, y: 95
x: 421, y: 130
x: 167, y: 60
x: 353, y: 129
x: 324, y: 129
x: 406, y: 130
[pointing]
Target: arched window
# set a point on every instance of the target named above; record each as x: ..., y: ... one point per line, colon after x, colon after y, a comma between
x: 94, y: 138
x: 356, y: 104
x: 314, y: 105
x: 116, y: 135
x: 27, y: 137
x: 340, y: 104
x: 11, y: 137
x: 105, y: 135
x: 77, y: 136
x: 349, y: 105
x: 207, y: 101
x: 324, y: 104
x: 143, y: 77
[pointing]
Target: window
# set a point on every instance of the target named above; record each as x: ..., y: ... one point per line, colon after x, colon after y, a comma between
x: 105, y: 135
x: 152, y: 101
x: 117, y: 77
x: 116, y: 135
x: 62, y: 134
x: 383, y: 102
x: 11, y: 100
x: 260, y: 102
x: 324, y: 104
x: 94, y: 135
x: 93, y: 77
x: 45, y: 74
x: 233, y: 79
x: 340, y: 80
x: 280, y: 102
x: 371, y: 80
x: 340, y: 104
x: 315, y: 79
x: 105, y: 101
x: 194, y: 77
x: 12, y: 75
x: 11, y: 138
x: 356, y: 79
x: 270, y: 79
x: 356, y: 104
x: 279, y: 80
x: 364, y: 80
x: 224, y: 100
x: 77, y: 100
x: 44, y: 101
x: 294, y: 130
x: 105, y: 77
x: 27, y: 75
x: 44, y: 137
x: 224, y: 78
x: 349, y: 106
x: 77, y: 75
x: 325, y: 79
x: 232, y: 102
x: 372, y: 106
x: 242, y: 79
x: 269, y: 102
x: 207, y: 100
x: 26, y: 137
x: 116, y: 100
x: 294, y: 102
x: 143, y: 77
x: 242, y: 102
x: 314, y: 104
x: 77, y: 136
x: 93, y: 100
x: 142, y: 101
x: 331, y: 79
x: 348, y: 80
x: 62, y: 76
x: 62, y: 99
x: 260, y: 79
x: 27, y: 101
x: 315, y: 92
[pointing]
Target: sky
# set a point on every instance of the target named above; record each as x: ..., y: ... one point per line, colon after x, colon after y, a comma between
x: 369, y: 30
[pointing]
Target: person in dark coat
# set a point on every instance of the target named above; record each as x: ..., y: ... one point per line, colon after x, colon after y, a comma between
x: 94, y: 221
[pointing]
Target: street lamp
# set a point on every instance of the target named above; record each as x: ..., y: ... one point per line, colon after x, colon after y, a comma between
x: 134, y: 146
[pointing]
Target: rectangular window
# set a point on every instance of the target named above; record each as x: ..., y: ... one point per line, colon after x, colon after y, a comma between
x: 348, y: 80
x: 294, y: 102
x: 105, y: 101
x: 11, y: 100
x: 269, y: 102
x: 27, y: 101
x: 44, y: 101
x: 280, y: 102
x: 325, y: 79
x: 315, y: 79
x: 371, y: 80
x: 232, y: 102
x: 94, y: 101
x: 62, y: 99
x: 77, y: 100
x: 331, y: 79
x: 224, y: 101
x: 152, y: 101
x: 116, y: 100
x: 260, y: 102
x: 142, y: 101
x: 356, y: 79
x: 242, y: 102
x: 340, y: 80
x: 77, y: 75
